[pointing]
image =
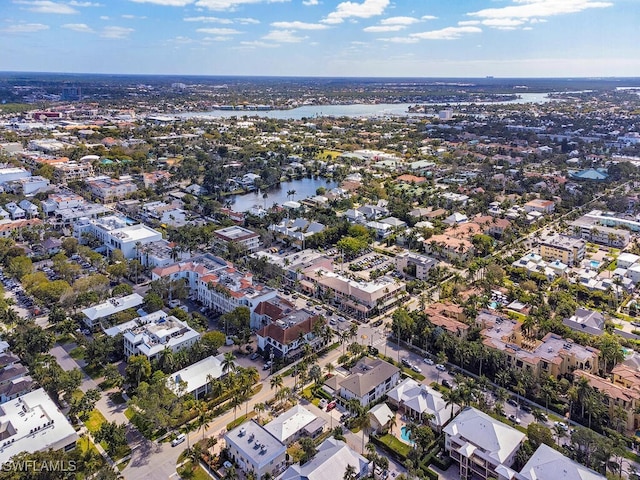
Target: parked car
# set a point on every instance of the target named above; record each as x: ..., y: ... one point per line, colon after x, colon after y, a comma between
x: 416, y: 368
x: 406, y: 362
x: 514, y: 419
x: 331, y: 405
x: 428, y: 361
x: 447, y: 383
x: 512, y: 402
x: 562, y: 426
x: 227, y: 464
x: 441, y: 367
x: 178, y: 440
x: 377, y: 323
x: 526, y: 408
x: 267, y: 365
x: 254, y: 355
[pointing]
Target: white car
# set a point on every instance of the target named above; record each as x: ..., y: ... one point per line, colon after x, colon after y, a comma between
x: 227, y: 465
x: 428, y: 361
x: 178, y: 440
x: 441, y: 367
x: 514, y: 419
x: 416, y: 368
x: 562, y: 425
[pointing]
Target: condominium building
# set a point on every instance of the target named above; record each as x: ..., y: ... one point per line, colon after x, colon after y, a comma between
x: 553, y: 355
x: 33, y: 423
x: 415, y: 265
x: 217, y: 283
x: 481, y: 445
x: 108, y: 189
x: 243, y: 236
x: 368, y: 380
x: 196, y: 378
x: 115, y: 232
x: 93, y: 315
x: 285, y: 338
x: 568, y: 250
x: 151, y: 338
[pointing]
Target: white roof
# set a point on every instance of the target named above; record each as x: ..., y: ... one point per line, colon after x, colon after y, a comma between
x: 496, y: 439
x: 382, y: 413
x: 289, y: 423
x: 549, y: 463
x: 33, y: 423
x: 330, y: 462
x: 197, y: 375
x: 113, y: 305
x: 422, y: 399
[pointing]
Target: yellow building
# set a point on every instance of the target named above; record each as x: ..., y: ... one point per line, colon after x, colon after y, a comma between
x: 569, y: 251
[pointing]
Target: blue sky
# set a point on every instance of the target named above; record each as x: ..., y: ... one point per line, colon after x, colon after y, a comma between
x: 427, y: 38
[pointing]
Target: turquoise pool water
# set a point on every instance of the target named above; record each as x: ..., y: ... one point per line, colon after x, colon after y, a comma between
x: 594, y: 264
x: 493, y: 305
x: 404, y: 434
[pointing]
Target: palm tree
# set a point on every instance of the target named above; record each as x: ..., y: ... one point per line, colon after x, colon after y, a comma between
x: 276, y: 382
x: 349, y: 473
x: 203, y: 416
x: 228, y: 363
x: 166, y: 360
x: 259, y: 408
x: 538, y: 415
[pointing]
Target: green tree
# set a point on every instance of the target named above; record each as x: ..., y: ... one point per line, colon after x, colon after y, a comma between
x: 114, y: 435
x: 20, y: 266
x: 138, y: 369
x: 152, y: 302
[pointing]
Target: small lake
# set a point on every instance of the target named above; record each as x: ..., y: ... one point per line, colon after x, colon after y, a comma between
x: 304, y: 187
x: 358, y: 110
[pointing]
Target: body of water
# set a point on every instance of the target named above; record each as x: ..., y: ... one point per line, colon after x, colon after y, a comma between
x: 304, y: 188
x: 404, y: 434
x: 359, y: 110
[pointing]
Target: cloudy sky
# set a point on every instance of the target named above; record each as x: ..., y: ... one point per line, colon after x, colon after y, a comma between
x: 387, y: 38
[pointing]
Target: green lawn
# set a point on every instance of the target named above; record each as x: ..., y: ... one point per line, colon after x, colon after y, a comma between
x: 94, y: 373
x: 77, y: 353
x: 187, y: 471
x: 129, y: 413
x: 85, y: 444
x: 395, y: 444
x: 95, y: 420
x: 240, y: 420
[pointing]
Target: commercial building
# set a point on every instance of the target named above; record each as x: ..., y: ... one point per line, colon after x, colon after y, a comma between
x: 115, y: 233
x: 368, y: 380
x: 11, y: 174
x: 254, y: 449
x: 152, y: 337
x: 600, y: 234
x: 330, y: 462
x: 482, y: 446
x: 285, y: 338
x: 33, y: 423
x: 568, y: 250
x: 243, y: 236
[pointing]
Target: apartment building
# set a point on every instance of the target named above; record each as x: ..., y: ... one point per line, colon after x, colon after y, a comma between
x: 600, y: 234
x: 216, y: 283
x: 243, y: 236
x: 33, y: 423
x: 286, y: 337
x: 115, y: 232
x: 415, y: 265
x: 195, y: 379
x: 65, y: 171
x: 553, y: 355
x: 106, y: 189
x: 150, y: 338
x: 482, y: 446
x: 568, y: 250
x: 539, y: 205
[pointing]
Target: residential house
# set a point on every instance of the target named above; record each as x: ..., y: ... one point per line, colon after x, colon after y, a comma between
x: 481, y: 445
x: 547, y: 462
x: 152, y: 337
x: 330, y: 462
x: 29, y: 208
x: 196, y: 379
x: 539, y: 205
x: 286, y: 337
x: 380, y: 417
x: 587, y: 321
x: 368, y: 380
x: 15, y: 211
x: 417, y: 400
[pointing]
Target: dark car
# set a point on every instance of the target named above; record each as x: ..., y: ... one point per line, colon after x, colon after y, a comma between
x: 377, y: 323
x: 406, y: 362
x: 372, y: 350
x: 526, y: 408
x: 447, y: 383
x: 512, y: 402
x: 254, y: 355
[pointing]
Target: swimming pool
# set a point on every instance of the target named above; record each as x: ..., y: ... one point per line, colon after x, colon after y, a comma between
x: 594, y: 264
x: 493, y: 305
x: 404, y: 434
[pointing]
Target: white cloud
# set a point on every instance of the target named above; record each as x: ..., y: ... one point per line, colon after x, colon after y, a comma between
x: 539, y: 8
x: 283, y: 36
x: 247, y: 21
x: 310, y: 3
x: 503, y: 22
x: 219, y: 31
x: 219, y: 38
x: 47, y: 6
x: 180, y: 40
x: 78, y: 27
x: 26, y: 28
x: 104, y: 17
x: 117, y: 33
x: 258, y: 43
x: 366, y: 9
x: 384, y: 28
x: 299, y: 26
x: 399, y: 21
x: 449, y: 33
x: 133, y: 17
x: 400, y: 40
x: 74, y: 3
x: 230, y: 5
x: 428, y: 17
x: 166, y: 3
x: 224, y: 21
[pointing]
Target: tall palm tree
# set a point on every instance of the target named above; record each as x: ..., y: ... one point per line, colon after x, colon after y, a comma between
x: 349, y: 473
x: 166, y: 360
x: 228, y: 363
x: 276, y: 382
x: 203, y: 416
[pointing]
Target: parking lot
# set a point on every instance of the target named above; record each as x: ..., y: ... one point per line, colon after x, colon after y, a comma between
x: 371, y: 262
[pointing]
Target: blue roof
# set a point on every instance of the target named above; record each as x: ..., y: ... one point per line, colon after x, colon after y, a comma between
x: 591, y: 174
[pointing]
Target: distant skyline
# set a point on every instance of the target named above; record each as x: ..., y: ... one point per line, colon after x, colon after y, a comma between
x: 356, y: 38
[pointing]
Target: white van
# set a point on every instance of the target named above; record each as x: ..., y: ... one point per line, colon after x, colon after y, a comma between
x: 178, y: 440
